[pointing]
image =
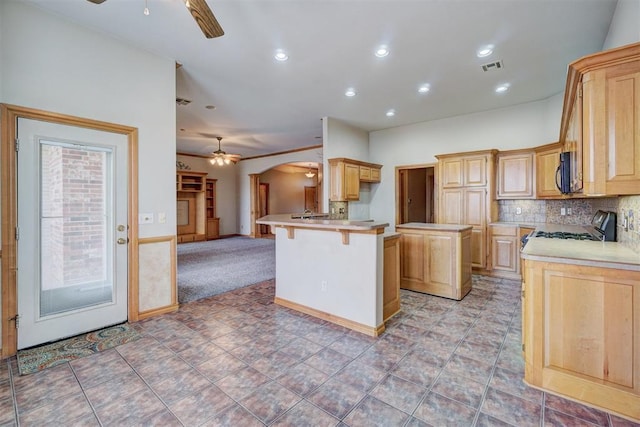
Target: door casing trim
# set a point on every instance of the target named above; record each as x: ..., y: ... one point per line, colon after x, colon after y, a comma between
x: 9, y: 115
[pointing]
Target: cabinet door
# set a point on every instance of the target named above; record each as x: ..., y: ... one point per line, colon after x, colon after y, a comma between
x: 475, y: 171
x: 546, y: 165
x: 623, y: 133
x: 474, y: 210
x: 515, y: 176
x: 504, y: 252
x: 451, y: 206
x: 451, y: 172
x: 412, y: 254
x: 365, y: 173
x: 351, y: 182
x: 375, y: 174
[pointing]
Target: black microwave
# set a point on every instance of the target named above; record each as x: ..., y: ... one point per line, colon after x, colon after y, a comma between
x: 563, y: 173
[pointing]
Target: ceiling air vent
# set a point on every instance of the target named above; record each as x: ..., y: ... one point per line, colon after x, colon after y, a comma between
x: 492, y: 66
x: 183, y: 101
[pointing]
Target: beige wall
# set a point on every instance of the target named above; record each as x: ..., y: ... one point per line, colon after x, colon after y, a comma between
x: 286, y: 189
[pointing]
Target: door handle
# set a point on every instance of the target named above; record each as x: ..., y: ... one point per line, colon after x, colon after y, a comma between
x: 122, y: 241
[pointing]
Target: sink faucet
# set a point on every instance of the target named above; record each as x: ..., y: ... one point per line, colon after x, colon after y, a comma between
x: 306, y: 214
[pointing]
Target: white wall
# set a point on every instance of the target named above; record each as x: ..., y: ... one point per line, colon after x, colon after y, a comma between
x: 54, y: 65
x: 625, y: 24
x: 521, y: 126
x: 343, y: 140
x: 226, y: 191
x: 260, y: 165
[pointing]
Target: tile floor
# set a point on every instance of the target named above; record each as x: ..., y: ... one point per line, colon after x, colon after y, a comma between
x: 239, y: 360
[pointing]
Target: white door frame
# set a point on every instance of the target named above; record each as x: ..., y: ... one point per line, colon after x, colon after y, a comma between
x: 9, y: 115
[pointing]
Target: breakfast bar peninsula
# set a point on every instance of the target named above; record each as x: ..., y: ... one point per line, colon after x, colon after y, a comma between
x: 331, y: 269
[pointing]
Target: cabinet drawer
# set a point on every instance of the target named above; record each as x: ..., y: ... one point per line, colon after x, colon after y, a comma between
x: 504, y: 230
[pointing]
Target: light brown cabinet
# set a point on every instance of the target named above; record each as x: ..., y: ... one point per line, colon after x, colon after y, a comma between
x: 190, y: 202
x: 601, y: 114
x: 504, y: 248
x: 391, y: 280
x: 547, y: 161
x: 345, y: 176
x: 515, y: 175
x: 435, y: 261
x: 580, y: 335
x: 469, y: 170
x: 466, y: 196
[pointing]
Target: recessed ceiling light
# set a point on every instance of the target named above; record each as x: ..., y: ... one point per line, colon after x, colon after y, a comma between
x: 350, y: 92
x: 382, y: 51
x: 210, y: 107
x: 281, y: 55
x: 485, y: 51
x: 391, y: 113
x: 424, y: 88
x: 502, y: 88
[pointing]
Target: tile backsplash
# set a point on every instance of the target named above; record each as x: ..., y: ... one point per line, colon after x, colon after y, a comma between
x: 577, y: 212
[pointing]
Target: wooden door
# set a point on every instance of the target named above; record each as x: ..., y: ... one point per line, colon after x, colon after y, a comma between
x: 451, y: 172
x: 475, y: 171
x: 474, y: 213
x: 351, y: 182
x: 311, y: 199
x: 546, y: 164
x: 515, y: 176
x: 186, y: 215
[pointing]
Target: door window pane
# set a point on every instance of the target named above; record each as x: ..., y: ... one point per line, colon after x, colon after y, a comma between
x: 75, y: 238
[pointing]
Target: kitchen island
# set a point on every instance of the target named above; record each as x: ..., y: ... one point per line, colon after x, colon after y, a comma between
x: 331, y: 269
x: 436, y: 258
x: 580, y: 323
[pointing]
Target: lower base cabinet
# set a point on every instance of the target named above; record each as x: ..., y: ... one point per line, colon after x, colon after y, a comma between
x: 580, y: 334
x: 436, y: 259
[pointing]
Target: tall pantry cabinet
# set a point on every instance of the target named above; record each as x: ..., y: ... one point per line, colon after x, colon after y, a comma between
x: 466, y: 196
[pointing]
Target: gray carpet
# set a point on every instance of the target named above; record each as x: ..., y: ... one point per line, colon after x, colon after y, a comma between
x: 217, y: 266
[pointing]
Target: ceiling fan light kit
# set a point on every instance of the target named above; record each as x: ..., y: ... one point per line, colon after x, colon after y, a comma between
x: 220, y: 158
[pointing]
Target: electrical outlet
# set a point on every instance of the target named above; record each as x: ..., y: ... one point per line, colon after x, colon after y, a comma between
x: 630, y: 216
x: 568, y: 211
x: 162, y: 217
x: 323, y: 286
x: 518, y: 210
x: 563, y: 211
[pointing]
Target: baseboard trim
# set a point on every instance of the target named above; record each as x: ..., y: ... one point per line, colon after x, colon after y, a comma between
x: 158, y: 311
x: 355, y: 326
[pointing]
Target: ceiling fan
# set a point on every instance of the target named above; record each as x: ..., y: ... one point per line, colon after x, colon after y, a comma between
x: 201, y: 13
x: 221, y: 158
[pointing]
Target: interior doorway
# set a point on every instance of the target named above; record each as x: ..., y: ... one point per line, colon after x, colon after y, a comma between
x: 264, y: 207
x: 311, y: 199
x: 415, y: 195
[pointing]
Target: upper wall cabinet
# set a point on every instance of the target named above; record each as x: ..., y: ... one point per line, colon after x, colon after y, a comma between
x: 345, y: 176
x: 547, y: 162
x: 464, y: 171
x: 601, y: 121
x: 515, y: 172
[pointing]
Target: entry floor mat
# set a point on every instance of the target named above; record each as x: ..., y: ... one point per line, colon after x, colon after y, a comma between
x: 46, y: 356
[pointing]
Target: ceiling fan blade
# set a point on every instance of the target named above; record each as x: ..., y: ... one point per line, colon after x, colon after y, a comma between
x: 97, y: 1
x: 204, y: 18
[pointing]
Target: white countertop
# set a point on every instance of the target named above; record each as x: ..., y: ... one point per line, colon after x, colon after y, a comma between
x: 434, y: 227
x: 581, y: 252
x: 285, y: 220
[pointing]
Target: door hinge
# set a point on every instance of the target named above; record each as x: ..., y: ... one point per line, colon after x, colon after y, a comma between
x: 16, y: 319
x: 523, y: 293
x: 522, y: 346
x: 17, y: 144
x: 17, y: 232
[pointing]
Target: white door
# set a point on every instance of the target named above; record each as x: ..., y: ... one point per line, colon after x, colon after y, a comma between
x: 72, y: 228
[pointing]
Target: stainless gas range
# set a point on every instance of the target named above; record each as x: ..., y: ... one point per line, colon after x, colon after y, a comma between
x: 602, y: 228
